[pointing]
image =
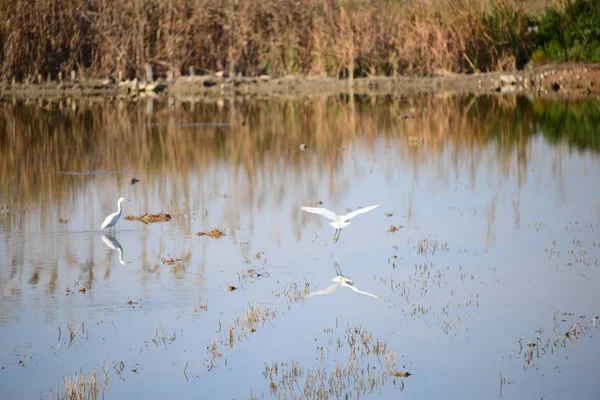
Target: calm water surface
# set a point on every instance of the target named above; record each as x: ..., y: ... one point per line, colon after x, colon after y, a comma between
x: 488, y: 289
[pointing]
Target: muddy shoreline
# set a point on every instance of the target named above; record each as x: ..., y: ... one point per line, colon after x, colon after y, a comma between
x: 559, y: 80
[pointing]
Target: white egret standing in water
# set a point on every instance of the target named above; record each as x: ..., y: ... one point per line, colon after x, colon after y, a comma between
x: 339, y: 221
x: 112, y: 219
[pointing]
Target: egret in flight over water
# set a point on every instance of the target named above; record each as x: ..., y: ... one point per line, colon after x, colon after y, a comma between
x: 339, y: 221
x: 112, y: 219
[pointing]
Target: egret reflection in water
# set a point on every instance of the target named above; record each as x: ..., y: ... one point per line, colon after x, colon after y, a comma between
x: 114, y: 244
x: 341, y: 280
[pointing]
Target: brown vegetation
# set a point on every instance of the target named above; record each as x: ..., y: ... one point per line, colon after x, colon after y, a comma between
x: 340, y: 38
x: 214, y: 233
x: 149, y: 218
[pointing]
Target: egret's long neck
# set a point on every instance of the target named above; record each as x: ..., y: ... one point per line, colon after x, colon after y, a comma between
x: 120, y: 208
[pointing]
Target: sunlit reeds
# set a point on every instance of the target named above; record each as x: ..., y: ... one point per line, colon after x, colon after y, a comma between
x: 45, y: 38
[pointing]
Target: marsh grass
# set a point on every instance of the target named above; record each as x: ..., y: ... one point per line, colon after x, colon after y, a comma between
x: 567, y: 330
x: 42, y: 38
x: 369, y: 365
x: 84, y: 387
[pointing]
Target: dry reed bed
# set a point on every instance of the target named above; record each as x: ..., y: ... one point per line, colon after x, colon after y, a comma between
x: 99, y: 38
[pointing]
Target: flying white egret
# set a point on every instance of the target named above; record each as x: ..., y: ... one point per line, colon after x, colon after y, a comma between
x: 341, y: 280
x: 114, y: 244
x: 112, y: 219
x: 339, y: 221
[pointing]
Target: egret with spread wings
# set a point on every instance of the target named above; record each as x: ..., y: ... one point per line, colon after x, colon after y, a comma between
x: 339, y: 221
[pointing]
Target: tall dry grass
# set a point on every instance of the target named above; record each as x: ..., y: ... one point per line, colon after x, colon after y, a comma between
x: 310, y: 37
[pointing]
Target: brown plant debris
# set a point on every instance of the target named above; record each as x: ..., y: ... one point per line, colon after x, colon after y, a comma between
x: 63, y: 221
x: 390, y: 214
x: 150, y: 218
x: 170, y: 261
x: 215, y: 233
x: 401, y: 374
x: 394, y: 228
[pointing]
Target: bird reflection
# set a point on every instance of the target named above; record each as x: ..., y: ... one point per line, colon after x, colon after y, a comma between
x: 341, y: 280
x: 114, y: 244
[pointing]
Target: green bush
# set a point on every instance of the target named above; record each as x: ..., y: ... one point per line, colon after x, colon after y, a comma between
x: 571, y: 33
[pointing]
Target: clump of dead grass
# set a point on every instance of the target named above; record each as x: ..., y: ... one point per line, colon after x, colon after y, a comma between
x: 83, y: 387
x: 214, y: 233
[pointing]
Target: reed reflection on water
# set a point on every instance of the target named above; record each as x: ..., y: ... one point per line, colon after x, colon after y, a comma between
x: 247, y: 167
x: 250, y: 151
x: 48, y: 155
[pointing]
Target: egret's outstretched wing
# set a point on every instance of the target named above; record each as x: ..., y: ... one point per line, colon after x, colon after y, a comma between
x: 327, y: 290
x: 361, y: 292
x: 321, y: 211
x: 359, y: 211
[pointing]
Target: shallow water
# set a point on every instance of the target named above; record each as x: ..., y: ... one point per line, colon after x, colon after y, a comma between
x: 498, y: 256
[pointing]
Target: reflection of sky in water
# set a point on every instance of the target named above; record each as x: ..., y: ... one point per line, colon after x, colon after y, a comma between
x: 498, y: 281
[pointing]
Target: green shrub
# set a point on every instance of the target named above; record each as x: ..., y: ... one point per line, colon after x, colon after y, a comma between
x: 571, y: 33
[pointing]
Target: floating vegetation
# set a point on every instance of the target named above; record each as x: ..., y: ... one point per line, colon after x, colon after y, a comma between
x: 561, y: 336
x: 389, y: 214
x: 72, y: 329
x: 316, y: 203
x: 392, y: 260
x: 213, y: 353
x: 150, y: 218
x: 84, y: 288
x: 254, y: 316
x: 178, y: 265
x: 201, y: 306
x: 215, y: 233
x: 171, y: 261
x: 370, y: 365
x: 403, y: 374
x: 294, y: 294
x: 160, y: 336
x: 134, y: 181
x: 63, y: 221
x: 394, y: 228
x: 428, y: 246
